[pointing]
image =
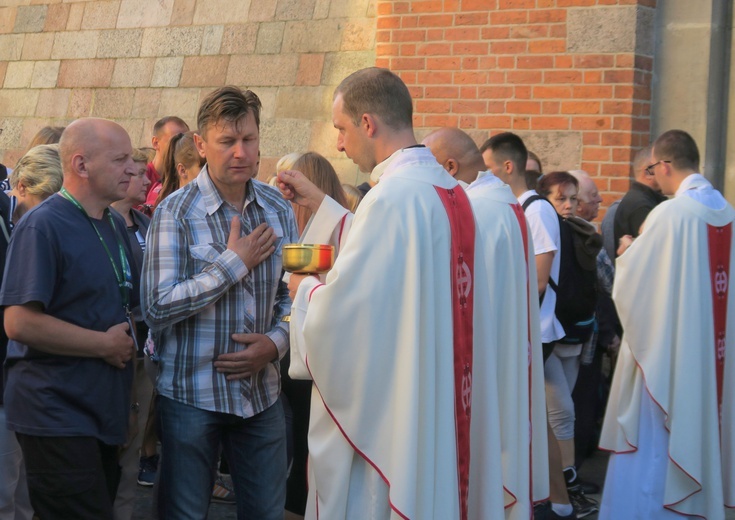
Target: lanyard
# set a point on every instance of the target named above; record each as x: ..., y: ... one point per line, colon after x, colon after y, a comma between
x: 124, y: 278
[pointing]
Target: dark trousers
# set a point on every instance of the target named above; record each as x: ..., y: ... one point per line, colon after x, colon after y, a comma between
x: 70, y: 477
x: 589, y: 405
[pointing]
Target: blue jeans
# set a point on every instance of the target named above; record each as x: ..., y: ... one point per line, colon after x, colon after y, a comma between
x: 255, y: 449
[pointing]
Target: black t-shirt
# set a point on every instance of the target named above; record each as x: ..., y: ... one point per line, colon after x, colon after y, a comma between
x: 55, y: 257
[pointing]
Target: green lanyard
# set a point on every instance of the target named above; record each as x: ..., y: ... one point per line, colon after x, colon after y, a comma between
x: 124, y: 278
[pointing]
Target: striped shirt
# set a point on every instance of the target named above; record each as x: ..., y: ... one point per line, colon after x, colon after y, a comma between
x: 196, y: 293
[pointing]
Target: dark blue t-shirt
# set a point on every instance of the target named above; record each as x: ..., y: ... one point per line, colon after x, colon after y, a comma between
x: 56, y: 258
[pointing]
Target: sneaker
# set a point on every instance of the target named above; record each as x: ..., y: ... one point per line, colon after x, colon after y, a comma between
x: 574, y: 482
x: 223, y: 492
x: 147, y: 470
x: 545, y: 512
x: 583, y: 505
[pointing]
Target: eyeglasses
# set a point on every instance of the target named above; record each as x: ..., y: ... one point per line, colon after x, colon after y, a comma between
x: 650, y: 167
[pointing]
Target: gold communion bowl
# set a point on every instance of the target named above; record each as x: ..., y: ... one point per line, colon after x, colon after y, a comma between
x: 308, y: 258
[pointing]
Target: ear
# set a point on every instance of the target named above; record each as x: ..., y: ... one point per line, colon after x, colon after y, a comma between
x: 154, y: 143
x: 21, y: 189
x: 79, y: 165
x: 201, y: 145
x: 452, y: 167
x: 508, y: 167
x: 181, y: 170
x: 368, y: 123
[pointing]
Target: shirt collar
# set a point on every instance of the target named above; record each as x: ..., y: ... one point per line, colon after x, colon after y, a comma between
x: 213, y: 200
x: 691, y: 182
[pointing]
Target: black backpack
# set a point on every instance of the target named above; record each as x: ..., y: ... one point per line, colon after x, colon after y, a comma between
x: 576, y: 291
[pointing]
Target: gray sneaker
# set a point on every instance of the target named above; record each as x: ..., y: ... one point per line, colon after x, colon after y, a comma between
x: 583, y: 505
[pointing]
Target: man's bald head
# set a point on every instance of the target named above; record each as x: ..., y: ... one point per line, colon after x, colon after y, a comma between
x: 456, y: 152
x: 85, y: 137
x: 588, y: 196
x: 641, y: 160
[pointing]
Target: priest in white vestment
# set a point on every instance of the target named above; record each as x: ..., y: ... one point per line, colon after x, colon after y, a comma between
x: 408, y: 423
x: 512, y: 320
x: 671, y: 411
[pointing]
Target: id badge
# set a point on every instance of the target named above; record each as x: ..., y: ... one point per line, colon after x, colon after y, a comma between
x: 133, y: 331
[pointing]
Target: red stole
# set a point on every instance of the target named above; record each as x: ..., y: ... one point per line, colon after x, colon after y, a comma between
x: 462, y: 226
x: 718, y: 241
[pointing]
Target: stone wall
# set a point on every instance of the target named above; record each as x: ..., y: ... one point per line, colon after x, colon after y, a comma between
x: 136, y: 61
x: 571, y: 76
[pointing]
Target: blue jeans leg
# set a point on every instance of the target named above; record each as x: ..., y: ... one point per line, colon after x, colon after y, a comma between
x: 256, y: 451
x: 189, y: 441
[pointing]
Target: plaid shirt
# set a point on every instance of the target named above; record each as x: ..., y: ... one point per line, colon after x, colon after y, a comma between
x: 196, y: 293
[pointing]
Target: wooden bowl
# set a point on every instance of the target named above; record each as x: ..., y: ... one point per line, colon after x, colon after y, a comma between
x: 308, y: 258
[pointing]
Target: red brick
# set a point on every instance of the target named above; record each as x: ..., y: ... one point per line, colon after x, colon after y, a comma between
x: 580, y: 107
x: 592, y: 153
x: 382, y: 36
x: 593, y: 92
x: 387, y: 49
x: 558, y: 31
x: 508, y: 17
x: 384, y: 8
x: 408, y: 35
x: 516, y: 4
x: 382, y: 63
x: 427, y: 6
x: 625, y: 61
x: 471, y: 63
x: 432, y: 106
x: 550, y: 107
x: 549, y: 123
x: 408, y: 49
x: 434, y: 78
x: 522, y: 92
x: 446, y: 63
x: 409, y: 22
x: 529, y: 31
x: 592, y: 168
x: 442, y: 92
x: 499, y: 92
x: 388, y: 22
x: 641, y: 124
x: 493, y: 122
x: 509, y: 47
x: 616, y: 139
x: 436, y: 20
x: 409, y: 78
x: 619, y: 76
x: 562, y: 76
x: 496, y: 107
x: 594, y: 61
x: 462, y: 34
x: 552, y: 92
x: 643, y: 63
x: 495, y: 78
x: 563, y: 62
x: 471, y: 48
x: 467, y: 121
x: 547, y: 15
x: 591, y: 123
x: 535, y: 62
x: 471, y: 19
x: 408, y: 63
x: 614, y: 170
x: 441, y: 120
x: 547, y: 46
x: 620, y: 185
x: 470, y: 78
x: 401, y: 7
x: 434, y: 49
x: 575, y: 3
x: 617, y: 107
x: 495, y: 33
x: 467, y: 92
x: 478, y: 5
x: 506, y: 62
x: 469, y: 107
x: 451, y: 6
x: 591, y: 138
x: 524, y: 76
x: 416, y: 91
x: 521, y: 123
x: 622, y: 154
x: 434, y: 35
x: 523, y: 107
x: 593, y: 76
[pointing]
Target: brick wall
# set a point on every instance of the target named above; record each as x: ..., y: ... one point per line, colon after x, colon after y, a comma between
x: 572, y: 77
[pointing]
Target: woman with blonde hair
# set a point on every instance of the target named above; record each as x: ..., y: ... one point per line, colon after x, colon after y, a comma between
x: 354, y: 196
x: 320, y: 172
x: 36, y: 177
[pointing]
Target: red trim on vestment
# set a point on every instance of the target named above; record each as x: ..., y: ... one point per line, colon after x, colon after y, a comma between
x: 719, y: 240
x: 341, y: 229
x: 462, y: 226
x: 521, y: 217
x: 311, y: 293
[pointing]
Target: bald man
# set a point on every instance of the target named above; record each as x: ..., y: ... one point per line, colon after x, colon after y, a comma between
x: 69, y: 375
x: 512, y: 321
x: 457, y: 153
x: 644, y: 195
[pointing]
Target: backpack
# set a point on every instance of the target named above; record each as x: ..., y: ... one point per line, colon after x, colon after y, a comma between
x: 576, y: 290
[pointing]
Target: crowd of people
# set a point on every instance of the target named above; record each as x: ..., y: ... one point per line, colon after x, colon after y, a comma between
x: 474, y: 342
